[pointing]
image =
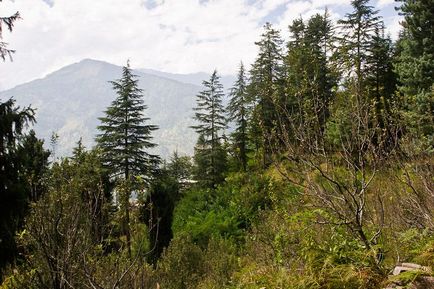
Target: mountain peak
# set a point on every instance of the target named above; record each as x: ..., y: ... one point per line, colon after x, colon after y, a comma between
x: 86, y: 68
x: 70, y: 100
x: 90, y: 61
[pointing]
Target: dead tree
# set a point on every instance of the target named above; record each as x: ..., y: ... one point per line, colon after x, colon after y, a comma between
x: 336, y: 176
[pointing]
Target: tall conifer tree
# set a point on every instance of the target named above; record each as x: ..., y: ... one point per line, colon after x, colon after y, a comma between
x: 415, y: 66
x: 381, y: 85
x: 356, y: 109
x: 125, y: 139
x: 210, y: 115
x: 125, y: 136
x: 266, y: 87
x: 9, y: 22
x: 359, y: 29
x: 238, y: 110
x: 309, y: 78
x: 13, y: 191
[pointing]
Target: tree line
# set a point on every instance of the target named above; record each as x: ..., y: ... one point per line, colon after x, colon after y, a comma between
x: 327, y: 110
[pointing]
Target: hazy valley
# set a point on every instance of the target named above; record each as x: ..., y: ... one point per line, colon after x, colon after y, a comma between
x: 70, y: 100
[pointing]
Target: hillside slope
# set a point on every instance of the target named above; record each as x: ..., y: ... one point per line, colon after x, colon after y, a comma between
x: 70, y: 100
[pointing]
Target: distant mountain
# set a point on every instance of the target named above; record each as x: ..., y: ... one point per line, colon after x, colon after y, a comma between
x: 70, y: 100
x: 193, y: 78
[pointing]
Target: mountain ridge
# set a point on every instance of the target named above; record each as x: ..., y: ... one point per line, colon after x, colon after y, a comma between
x: 69, y: 101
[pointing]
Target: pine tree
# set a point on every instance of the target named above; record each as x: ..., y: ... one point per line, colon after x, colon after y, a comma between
x: 320, y: 40
x: 415, y: 66
x: 238, y: 110
x: 381, y: 85
x: 309, y: 78
x: 180, y: 167
x: 211, y: 124
x: 370, y: 79
x: 266, y: 86
x: 13, y: 191
x: 34, y: 161
x: 359, y: 29
x: 126, y: 138
x: 125, y: 135
x: 355, y: 114
x: 9, y: 22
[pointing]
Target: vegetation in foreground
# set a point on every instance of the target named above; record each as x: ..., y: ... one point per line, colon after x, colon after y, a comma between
x: 326, y: 180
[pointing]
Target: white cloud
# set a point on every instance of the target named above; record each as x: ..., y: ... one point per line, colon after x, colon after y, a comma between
x: 383, y: 3
x: 393, y: 25
x: 179, y: 36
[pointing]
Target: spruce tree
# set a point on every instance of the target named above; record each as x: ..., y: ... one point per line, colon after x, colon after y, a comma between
x: 370, y: 80
x: 359, y: 28
x: 320, y: 40
x: 180, y: 167
x: 210, y: 115
x: 238, y: 110
x: 125, y: 139
x: 356, y: 121
x: 381, y: 85
x: 266, y: 88
x: 125, y: 135
x: 9, y: 22
x: 415, y: 66
x: 13, y: 189
x: 34, y: 161
x: 309, y: 78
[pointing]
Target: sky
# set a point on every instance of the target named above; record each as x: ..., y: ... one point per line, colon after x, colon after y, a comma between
x: 178, y: 36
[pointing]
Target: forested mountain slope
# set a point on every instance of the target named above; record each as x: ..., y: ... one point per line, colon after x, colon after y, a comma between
x: 70, y: 100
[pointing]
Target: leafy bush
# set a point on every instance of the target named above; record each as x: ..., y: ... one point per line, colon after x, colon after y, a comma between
x: 181, y: 265
x: 226, y: 211
x: 185, y: 265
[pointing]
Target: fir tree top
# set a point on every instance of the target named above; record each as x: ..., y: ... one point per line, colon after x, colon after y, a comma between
x: 210, y: 110
x: 125, y: 137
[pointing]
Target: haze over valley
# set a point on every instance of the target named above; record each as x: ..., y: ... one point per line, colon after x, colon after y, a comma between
x: 70, y: 100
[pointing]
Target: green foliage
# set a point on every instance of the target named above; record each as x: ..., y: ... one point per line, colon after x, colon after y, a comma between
x: 140, y: 245
x: 203, y: 215
x: 125, y: 141
x: 227, y: 211
x: 125, y: 138
x: 408, y: 277
x: 210, y: 110
x: 9, y: 22
x: 426, y: 256
x: 180, y: 167
x: 310, y: 81
x: 181, y: 264
x: 15, y: 187
x: 186, y: 265
x: 67, y: 238
x: 239, y: 110
x: 265, y: 89
x: 415, y: 63
x: 34, y: 161
x: 359, y: 28
x: 416, y: 245
x: 210, y: 163
x: 340, y: 192
x: 156, y: 209
x: 65, y: 235
x: 220, y: 262
x: 53, y: 240
x: 295, y: 251
x: 415, y: 66
x: 210, y: 157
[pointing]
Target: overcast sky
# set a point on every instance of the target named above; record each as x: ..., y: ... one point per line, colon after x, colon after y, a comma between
x: 179, y: 36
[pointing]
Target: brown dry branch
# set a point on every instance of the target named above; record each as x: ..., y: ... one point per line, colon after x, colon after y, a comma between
x: 337, y: 179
